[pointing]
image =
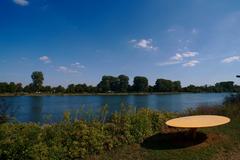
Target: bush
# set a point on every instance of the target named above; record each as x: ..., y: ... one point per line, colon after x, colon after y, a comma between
x: 204, y: 110
x: 232, y: 99
x: 78, y: 139
x: 230, y: 108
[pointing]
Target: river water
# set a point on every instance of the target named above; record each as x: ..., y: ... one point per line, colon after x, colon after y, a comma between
x: 42, y: 108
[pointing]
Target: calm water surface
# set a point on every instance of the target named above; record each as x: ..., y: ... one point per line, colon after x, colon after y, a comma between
x: 40, y: 109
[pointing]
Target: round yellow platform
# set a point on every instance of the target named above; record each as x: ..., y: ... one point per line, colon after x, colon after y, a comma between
x: 198, y: 121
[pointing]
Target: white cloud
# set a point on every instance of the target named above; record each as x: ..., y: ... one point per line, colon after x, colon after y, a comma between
x: 177, y: 57
x: 191, y: 63
x: 180, y: 58
x: 189, y: 54
x: 62, y: 69
x: 77, y: 65
x: 65, y: 69
x: 21, y: 2
x: 144, y: 44
x: 231, y: 59
x: 73, y: 68
x: 45, y: 59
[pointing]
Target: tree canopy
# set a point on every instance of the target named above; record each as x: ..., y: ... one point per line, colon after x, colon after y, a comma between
x: 114, y: 84
x: 140, y: 84
x: 37, y: 78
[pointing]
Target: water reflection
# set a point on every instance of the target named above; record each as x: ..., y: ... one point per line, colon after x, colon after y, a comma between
x: 8, y: 108
x: 141, y: 101
x: 36, y: 104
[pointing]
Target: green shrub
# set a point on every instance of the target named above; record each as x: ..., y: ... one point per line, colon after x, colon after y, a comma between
x: 78, y: 139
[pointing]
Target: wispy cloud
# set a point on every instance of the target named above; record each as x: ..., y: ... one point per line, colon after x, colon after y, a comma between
x: 231, y: 59
x: 77, y: 65
x: 45, y: 59
x: 177, y: 57
x: 65, y: 69
x: 191, y: 63
x: 144, y: 44
x: 73, y: 68
x: 180, y: 58
x: 168, y: 63
x: 189, y: 54
x: 21, y: 2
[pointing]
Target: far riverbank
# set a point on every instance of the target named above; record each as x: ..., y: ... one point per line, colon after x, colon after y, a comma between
x: 97, y: 94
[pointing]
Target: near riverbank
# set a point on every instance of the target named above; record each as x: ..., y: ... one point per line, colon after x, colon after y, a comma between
x: 124, y: 135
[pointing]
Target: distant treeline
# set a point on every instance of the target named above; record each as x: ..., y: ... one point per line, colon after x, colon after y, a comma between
x: 111, y: 84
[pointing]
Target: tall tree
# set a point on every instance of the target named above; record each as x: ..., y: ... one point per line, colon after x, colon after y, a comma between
x: 176, y: 86
x: 59, y: 89
x: 19, y: 87
x: 123, y: 83
x: 3, y: 87
x: 140, y: 84
x: 227, y: 86
x: 104, y: 85
x: 37, y: 78
x: 71, y: 88
x: 114, y: 84
x: 79, y: 88
x: 12, y: 88
x: 163, y: 85
x: 47, y: 89
x: 109, y: 83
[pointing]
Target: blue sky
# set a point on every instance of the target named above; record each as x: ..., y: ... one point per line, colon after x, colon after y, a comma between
x: 78, y: 41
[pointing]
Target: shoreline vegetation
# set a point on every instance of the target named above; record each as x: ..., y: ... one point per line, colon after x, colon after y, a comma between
x: 99, y: 94
x: 110, y: 85
x: 123, y: 132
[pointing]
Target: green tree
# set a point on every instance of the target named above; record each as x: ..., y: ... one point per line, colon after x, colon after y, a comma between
x: 192, y: 88
x: 37, y: 78
x: 104, y: 85
x: 3, y: 87
x: 59, y: 89
x: 79, y: 88
x: 28, y: 88
x: 123, y: 83
x: 47, y: 89
x: 163, y: 85
x: 71, y: 88
x: 114, y: 84
x: 140, y: 84
x: 19, y: 87
x: 109, y: 83
x: 12, y: 88
x: 227, y: 86
x: 176, y: 86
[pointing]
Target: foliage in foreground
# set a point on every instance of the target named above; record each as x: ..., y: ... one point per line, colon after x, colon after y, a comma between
x: 222, y: 143
x: 78, y: 139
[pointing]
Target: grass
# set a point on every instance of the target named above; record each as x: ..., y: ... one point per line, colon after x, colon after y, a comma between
x: 217, y: 143
x: 221, y: 143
